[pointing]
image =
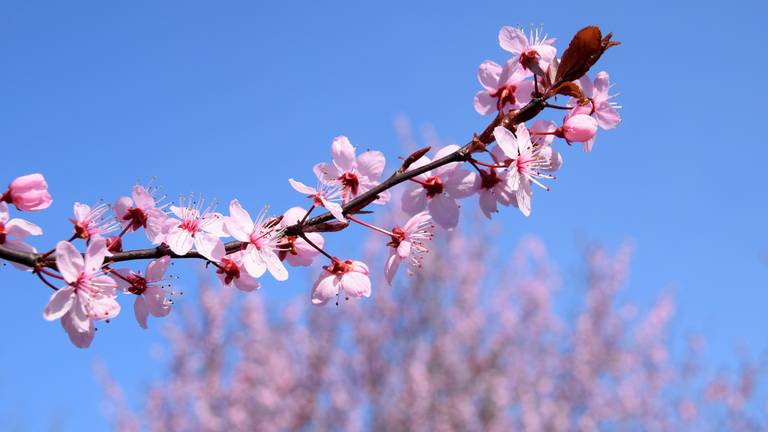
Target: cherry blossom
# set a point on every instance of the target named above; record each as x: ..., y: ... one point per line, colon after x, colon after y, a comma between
x: 602, y: 106
x: 89, y: 294
x: 263, y: 240
x: 295, y: 249
x: 526, y: 163
x: 93, y: 222
x: 14, y: 231
x: 353, y: 174
x: 199, y: 225
x: 534, y: 52
x: 505, y: 87
x: 230, y: 270
x: 579, y: 126
x: 348, y: 276
x: 148, y: 288
x: 409, y: 243
x: 438, y: 190
x: 324, y: 195
x: 140, y: 210
x: 494, y: 186
x: 28, y: 193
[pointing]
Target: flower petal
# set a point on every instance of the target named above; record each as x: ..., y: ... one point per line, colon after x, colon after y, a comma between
x: 157, y: 268
x: 69, y: 261
x: 209, y: 246
x: 343, y: 153
x: 445, y: 211
x: 140, y: 311
x: 325, y: 288
x: 60, y: 303
x: 371, y: 164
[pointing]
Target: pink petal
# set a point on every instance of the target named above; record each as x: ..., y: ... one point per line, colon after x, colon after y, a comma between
x: 157, y: 268
x: 461, y: 183
x: 488, y: 203
x: 246, y: 283
x: 371, y: 164
x: 101, y: 308
x: 140, y: 311
x: 445, y: 211
x: 301, y: 187
x: 121, y: 209
x: 69, y: 261
x: 60, y: 303
x: 179, y: 240
x: 602, y: 83
x: 356, y: 284
x: 19, y: 228
x: 240, y: 216
x: 443, y: 152
x: 325, y: 288
x: 488, y: 74
x: 292, y: 216
x: 485, y: 104
x: 209, y: 246
x: 418, y: 164
x: 253, y: 262
x: 94, y: 255
x: 142, y: 198
x: 607, y: 116
x: 390, y: 269
x: 506, y: 141
x: 343, y: 153
x: 77, y: 317
x: 513, y: 40
x: 414, y: 199
x: 81, y: 339
x: 335, y: 209
x: 326, y: 173
x: 404, y: 249
x: 274, y: 265
x: 4, y: 214
x: 81, y: 211
x: 523, y: 197
x: 154, y: 298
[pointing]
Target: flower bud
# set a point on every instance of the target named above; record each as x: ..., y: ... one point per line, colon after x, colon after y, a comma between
x: 28, y: 193
x: 579, y: 128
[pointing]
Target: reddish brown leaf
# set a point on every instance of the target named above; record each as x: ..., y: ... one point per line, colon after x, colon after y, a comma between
x: 413, y: 158
x: 568, y: 89
x: 583, y: 52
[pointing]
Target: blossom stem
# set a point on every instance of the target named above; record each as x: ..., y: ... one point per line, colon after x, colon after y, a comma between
x: 485, y: 164
x: 367, y: 225
x: 318, y: 248
x: 48, y: 272
x: 304, y: 219
x: 561, y: 107
x: 45, y: 281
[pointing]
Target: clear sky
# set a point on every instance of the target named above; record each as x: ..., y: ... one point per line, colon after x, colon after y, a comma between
x: 229, y: 99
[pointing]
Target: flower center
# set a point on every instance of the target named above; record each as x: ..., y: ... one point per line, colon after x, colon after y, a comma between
x: 505, y: 95
x: 488, y: 179
x: 398, y: 235
x: 191, y: 225
x: 137, y: 218
x: 350, y: 181
x: 529, y: 58
x: 138, y: 284
x: 339, y: 267
x: 230, y: 269
x: 433, y: 186
x: 2, y: 233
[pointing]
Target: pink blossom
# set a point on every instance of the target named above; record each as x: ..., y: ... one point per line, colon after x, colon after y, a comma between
x: 494, y: 186
x: 353, y: 174
x: 28, y: 193
x: 148, y: 288
x: 349, y: 276
x: 93, y: 222
x: 409, y: 243
x: 89, y: 294
x: 264, y: 239
x: 602, y: 107
x: 438, y: 190
x: 526, y: 163
x: 200, y: 226
x: 295, y: 249
x: 579, y: 126
x: 14, y: 231
x: 140, y: 210
x: 324, y: 195
x: 534, y: 52
x: 230, y: 269
x: 505, y: 88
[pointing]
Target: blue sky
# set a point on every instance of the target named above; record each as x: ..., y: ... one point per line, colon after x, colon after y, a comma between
x: 231, y: 99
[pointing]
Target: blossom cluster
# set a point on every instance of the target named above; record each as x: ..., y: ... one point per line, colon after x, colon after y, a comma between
x: 500, y: 167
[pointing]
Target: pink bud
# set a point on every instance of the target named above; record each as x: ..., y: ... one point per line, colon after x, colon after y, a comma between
x: 579, y: 128
x: 28, y: 193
